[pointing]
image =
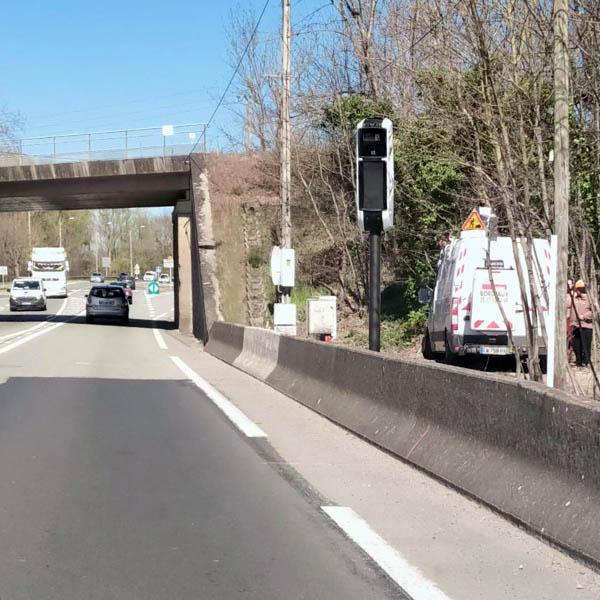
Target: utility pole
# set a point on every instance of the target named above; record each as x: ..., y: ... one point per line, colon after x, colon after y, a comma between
x: 561, y: 183
x: 130, y: 254
x: 60, y: 229
x: 286, y: 221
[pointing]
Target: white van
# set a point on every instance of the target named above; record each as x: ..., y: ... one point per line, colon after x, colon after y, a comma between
x: 150, y: 276
x: 27, y: 293
x: 464, y: 316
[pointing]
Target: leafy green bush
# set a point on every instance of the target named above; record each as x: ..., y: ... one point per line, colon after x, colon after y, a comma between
x: 256, y: 257
x: 396, y: 333
x: 301, y: 295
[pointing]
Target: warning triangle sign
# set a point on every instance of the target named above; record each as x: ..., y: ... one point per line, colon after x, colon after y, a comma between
x: 473, y: 222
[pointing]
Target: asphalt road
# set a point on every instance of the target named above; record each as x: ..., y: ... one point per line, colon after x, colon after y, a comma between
x: 120, y: 479
x: 133, y: 466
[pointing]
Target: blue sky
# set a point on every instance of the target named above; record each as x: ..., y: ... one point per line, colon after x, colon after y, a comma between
x: 95, y: 65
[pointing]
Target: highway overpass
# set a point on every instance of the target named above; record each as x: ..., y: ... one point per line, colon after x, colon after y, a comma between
x: 175, y: 181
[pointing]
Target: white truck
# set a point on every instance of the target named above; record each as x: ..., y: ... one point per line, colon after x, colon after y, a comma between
x: 50, y: 265
x: 477, y: 301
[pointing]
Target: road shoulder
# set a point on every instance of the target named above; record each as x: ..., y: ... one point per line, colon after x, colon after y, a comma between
x: 463, y: 547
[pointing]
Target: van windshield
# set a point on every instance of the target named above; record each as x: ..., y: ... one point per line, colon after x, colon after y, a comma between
x: 26, y: 285
x: 48, y: 266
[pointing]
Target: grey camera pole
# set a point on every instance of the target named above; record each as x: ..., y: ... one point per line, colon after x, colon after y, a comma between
x: 374, y: 290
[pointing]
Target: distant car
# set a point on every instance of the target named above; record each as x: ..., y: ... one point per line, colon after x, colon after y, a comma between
x: 107, y: 301
x: 128, y: 278
x: 126, y: 288
x: 150, y: 276
x: 164, y: 278
x: 27, y: 293
x: 97, y: 278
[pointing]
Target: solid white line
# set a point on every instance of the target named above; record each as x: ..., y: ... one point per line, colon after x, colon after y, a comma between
x: 232, y: 412
x: 28, y: 338
x: 159, y: 339
x: 409, y: 578
x: 163, y: 314
x: 38, y: 326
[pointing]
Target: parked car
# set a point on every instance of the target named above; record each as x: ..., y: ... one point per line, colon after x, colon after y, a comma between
x: 164, y: 278
x: 129, y: 279
x: 126, y: 288
x: 150, y: 276
x: 96, y: 278
x: 27, y: 293
x: 107, y: 301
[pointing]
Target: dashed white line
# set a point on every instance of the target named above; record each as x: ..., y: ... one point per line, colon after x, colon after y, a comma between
x: 38, y: 326
x: 233, y: 413
x: 28, y: 338
x: 159, y: 339
x: 408, y: 577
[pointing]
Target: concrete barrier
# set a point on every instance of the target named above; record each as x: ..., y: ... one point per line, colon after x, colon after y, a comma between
x: 226, y: 341
x: 531, y: 453
x: 259, y: 353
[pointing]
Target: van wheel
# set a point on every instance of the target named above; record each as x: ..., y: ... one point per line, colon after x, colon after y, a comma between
x: 450, y: 357
x: 426, y: 348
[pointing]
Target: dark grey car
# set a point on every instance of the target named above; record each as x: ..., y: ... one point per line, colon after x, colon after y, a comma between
x: 106, y: 302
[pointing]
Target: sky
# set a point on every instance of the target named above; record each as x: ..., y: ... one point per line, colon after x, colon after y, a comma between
x: 72, y: 66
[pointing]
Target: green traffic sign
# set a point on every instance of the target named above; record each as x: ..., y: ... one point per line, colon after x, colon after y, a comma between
x: 153, y: 287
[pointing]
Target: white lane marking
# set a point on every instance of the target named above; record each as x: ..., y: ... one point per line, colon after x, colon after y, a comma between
x: 409, y: 578
x: 38, y: 326
x: 232, y: 412
x: 28, y: 338
x: 159, y: 339
x: 163, y: 314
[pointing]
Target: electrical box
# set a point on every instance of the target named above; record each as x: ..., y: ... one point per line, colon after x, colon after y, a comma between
x: 375, y: 174
x: 322, y: 316
x: 283, y: 267
x: 284, y: 318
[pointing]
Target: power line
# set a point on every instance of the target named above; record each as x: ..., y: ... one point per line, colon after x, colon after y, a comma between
x: 233, y: 76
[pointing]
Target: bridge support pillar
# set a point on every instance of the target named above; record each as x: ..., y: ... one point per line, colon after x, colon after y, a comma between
x: 182, y: 257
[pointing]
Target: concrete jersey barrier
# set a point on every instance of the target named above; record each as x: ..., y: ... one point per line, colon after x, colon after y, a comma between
x: 531, y: 453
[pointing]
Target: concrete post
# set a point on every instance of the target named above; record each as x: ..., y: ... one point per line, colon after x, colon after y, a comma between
x: 206, y: 292
x: 182, y: 256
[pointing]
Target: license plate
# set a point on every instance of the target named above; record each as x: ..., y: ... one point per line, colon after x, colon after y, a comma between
x: 495, y: 350
x: 107, y: 302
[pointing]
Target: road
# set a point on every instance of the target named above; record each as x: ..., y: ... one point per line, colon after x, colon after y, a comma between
x: 118, y: 479
x: 134, y: 466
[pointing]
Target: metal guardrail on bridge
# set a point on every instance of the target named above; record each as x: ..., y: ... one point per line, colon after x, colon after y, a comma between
x: 146, y: 142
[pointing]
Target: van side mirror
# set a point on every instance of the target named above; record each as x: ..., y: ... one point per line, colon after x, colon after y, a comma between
x: 86, y: 295
x: 425, y: 295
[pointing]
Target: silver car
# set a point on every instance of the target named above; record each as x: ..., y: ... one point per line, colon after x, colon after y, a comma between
x: 106, y: 302
x: 97, y: 277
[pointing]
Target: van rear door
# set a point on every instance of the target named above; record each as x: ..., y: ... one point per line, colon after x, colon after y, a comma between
x: 486, y: 315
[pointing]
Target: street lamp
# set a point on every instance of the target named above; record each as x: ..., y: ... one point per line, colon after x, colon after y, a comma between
x: 60, y: 227
x: 131, y: 251
x: 108, y: 245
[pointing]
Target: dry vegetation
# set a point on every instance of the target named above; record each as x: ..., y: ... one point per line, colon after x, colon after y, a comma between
x: 469, y: 85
